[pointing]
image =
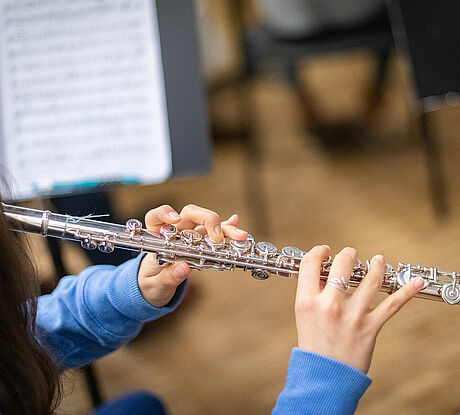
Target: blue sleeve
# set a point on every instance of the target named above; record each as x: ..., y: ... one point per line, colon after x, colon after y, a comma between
x: 95, y: 312
x: 318, y: 385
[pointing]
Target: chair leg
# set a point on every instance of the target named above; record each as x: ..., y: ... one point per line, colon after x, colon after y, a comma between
x: 375, y: 92
x: 334, y: 136
x: 434, y: 166
x: 92, y: 384
x: 55, y: 251
x: 304, y: 98
x: 253, y: 161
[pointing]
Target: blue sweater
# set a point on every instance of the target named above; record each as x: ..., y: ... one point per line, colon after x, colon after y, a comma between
x: 94, y: 313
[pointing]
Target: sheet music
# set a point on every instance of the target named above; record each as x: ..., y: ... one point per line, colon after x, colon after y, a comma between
x: 82, y: 93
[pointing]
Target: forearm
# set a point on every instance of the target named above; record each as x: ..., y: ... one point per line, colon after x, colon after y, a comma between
x: 317, y: 385
x: 92, y: 314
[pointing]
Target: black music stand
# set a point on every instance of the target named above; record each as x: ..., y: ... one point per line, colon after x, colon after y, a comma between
x: 188, y: 130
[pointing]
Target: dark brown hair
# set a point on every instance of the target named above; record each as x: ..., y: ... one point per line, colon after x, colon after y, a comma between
x: 29, y: 380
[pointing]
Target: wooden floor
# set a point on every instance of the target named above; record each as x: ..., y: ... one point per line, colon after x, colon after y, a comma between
x: 225, y: 351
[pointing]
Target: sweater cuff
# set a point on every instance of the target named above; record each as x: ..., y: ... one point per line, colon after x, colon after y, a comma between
x: 128, y: 299
x: 340, y: 385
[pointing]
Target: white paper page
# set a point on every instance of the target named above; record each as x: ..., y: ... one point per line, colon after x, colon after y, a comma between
x: 82, y: 93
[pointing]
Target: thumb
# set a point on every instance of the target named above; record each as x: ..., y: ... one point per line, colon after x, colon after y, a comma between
x: 158, y: 290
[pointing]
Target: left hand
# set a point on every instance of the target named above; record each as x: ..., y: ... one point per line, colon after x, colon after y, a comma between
x: 158, y: 283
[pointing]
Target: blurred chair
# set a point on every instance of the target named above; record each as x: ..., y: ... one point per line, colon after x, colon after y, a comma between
x: 287, y: 47
x: 260, y: 46
x: 428, y: 33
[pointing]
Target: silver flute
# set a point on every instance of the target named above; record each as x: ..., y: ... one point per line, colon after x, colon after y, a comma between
x: 200, y: 252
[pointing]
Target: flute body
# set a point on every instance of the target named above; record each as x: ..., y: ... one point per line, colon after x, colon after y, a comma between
x: 262, y: 258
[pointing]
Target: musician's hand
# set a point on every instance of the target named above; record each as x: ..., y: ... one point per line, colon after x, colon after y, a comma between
x: 158, y: 283
x: 335, y: 323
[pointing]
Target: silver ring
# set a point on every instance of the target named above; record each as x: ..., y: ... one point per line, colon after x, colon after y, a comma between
x: 339, y: 283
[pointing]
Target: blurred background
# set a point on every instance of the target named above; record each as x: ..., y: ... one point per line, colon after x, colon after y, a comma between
x: 328, y: 124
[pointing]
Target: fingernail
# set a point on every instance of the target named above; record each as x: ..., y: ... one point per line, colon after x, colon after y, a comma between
x: 379, y: 258
x: 418, y: 282
x: 180, y: 271
x: 174, y: 215
x: 240, y: 232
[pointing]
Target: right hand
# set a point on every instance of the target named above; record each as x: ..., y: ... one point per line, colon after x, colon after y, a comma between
x: 338, y: 324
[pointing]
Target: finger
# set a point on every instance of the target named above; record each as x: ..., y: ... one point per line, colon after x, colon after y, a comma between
x: 370, y: 284
x: 173, y: 275
x: 308, y: 283
x: 233, y: 232
x: 232, y: 220
x: 342, y: 266
x: 391, y: 305
x: 193, y: 216
x: 229, y: 231
x: 157, y: 217
x: 159, y: 289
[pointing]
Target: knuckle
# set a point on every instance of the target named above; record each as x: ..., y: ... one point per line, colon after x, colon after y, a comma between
x: 319, y: 249
x: 212, y: 217
x: 407, y: 295
x: 393, y: 306
x: 375, y: 281
x: 349, y: 251
x: 163, y: 210
x: 309, y: 258
x: 167, y: 282
x: 303, y: 305
x: 345, y: 260
x: 331, y: 308
x: 404, y: 294
x: 151, y: 213
x: 188, y: 207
